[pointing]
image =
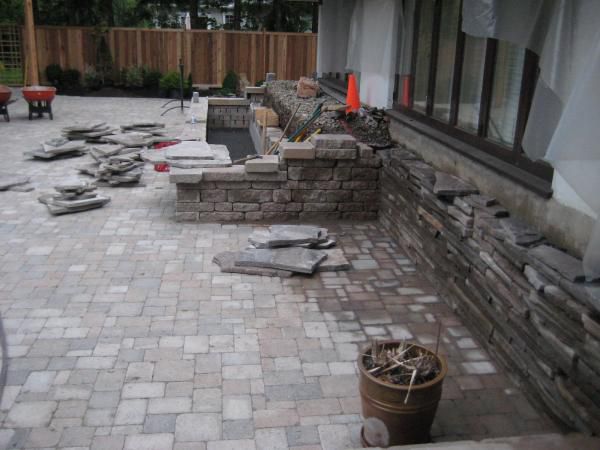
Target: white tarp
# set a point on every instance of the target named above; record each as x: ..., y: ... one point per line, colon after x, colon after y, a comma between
x: 334, y: 24
x: 564, y: 123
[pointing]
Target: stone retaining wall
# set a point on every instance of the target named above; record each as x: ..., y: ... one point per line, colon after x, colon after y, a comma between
x: 309, y: 182
x: 526, y: 300
x: 228, y: 113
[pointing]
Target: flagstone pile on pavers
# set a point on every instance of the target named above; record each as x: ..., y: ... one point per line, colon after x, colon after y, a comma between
x: 73, y: 197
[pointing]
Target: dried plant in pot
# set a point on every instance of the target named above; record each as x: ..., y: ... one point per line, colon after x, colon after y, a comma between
x: 400, y: 388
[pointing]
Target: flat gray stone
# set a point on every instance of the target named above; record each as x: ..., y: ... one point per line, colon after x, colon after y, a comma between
x: 226, y: 261
x: 335, y: 261
x: 287, y: 235
x: 199, y: 163
x: 569, y: 267
x: 85, y: 126
x: 190, y: 150
x: 333, y: 141
x: 264, y: 164
x: 294, y: 259
x: 446, y: 184
x: 517, y: 232
x: 8, y: 180
x: 187, y: 176
x: 132, y: 139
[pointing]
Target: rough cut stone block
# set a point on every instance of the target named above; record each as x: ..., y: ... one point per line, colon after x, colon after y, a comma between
x: 250, y: 196
x: 569, y: 267
x: 221, y: 216
x: 267, y: 163
x: 254, y: 216
x: 360, y: 173
x: 333, y: 141
x: 335, y: 153
x: 282, y: 195
x: 188, y: 176
x: 316, y: 173
x: 262, y: 176
x: 194, y: 207
x: 234, y: 173
x: 186, y: 195
x: 446, y: 184
x: 223, y: 206
x: 246, y: 207
x: 294, y: 259
x: 213, y: 195
x: 296, y: 150
x: 272, y: 207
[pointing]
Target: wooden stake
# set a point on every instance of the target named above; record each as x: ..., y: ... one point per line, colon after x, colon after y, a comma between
x: 31, y: 57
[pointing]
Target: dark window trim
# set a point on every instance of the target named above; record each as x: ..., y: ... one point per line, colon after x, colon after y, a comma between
x: 520, y: 175
x: 497, y: 163
x: 512, y: 155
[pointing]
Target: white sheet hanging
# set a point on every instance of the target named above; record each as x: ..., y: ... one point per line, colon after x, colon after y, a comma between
x: 564, y: 123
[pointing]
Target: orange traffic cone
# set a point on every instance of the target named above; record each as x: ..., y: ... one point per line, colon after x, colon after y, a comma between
x: 352, y: 98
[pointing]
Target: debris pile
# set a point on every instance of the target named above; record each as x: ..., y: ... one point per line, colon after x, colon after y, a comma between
x: 58, y: 148
x: 401, y: 363
x: 370, y: 126
x: 115, y: 165
x: 73, y: 197
x: 284, y: 250
x: 88, y: 131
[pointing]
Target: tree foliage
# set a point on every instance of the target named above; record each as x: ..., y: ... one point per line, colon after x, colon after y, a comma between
x: 270, y: 15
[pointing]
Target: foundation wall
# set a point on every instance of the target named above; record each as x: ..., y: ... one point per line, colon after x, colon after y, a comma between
x: 526, y: 302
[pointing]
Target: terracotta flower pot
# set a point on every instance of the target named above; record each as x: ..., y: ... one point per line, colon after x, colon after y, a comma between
x: 388, y: 420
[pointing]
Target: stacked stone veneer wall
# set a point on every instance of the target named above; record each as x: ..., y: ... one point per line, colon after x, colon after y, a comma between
x: 228, y: 113
x: 306, y: 183
x: 525, y: 300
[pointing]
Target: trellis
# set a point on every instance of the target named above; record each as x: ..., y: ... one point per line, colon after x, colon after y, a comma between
x: 10, y: 55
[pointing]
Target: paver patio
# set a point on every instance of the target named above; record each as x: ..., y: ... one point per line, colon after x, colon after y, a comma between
x: 122, y: 333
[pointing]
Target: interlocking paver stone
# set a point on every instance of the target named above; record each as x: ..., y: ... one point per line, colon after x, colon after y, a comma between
x: 121, y: 330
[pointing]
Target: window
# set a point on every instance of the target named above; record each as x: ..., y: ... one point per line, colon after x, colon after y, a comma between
x: 475, y: 89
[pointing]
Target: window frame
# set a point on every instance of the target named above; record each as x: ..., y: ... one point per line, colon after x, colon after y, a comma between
x: 513, y: 155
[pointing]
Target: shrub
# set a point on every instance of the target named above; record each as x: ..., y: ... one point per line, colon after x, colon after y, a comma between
x: 151, y: 78
x: 170, y: 81
x: 54, y: 74
x: 134, y: 77
x: 71, y: 78
x: 92, y: 79
x: 230, y: 82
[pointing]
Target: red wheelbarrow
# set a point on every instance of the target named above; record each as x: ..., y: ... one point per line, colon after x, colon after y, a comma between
x: 40, y: 100
x: 5, y: 94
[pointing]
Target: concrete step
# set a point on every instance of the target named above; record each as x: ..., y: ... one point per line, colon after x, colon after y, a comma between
x: 551, y: 441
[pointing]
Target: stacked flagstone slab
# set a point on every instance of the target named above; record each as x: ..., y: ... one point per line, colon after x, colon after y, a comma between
x: 115, y: 165
x: 332, y: 177
x: 155, y: 128
x: 58, y: 148
x: 283, y: 250
x: 73, y: 197
x: 188, y: 155
x: 92, y: 131
x: 526, y: 300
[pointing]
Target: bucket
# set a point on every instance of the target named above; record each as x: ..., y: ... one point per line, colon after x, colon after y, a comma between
x: 387, y: 420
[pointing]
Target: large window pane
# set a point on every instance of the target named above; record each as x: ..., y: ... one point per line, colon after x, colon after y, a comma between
x: 445, y: 59
x: 471, y: 83
x: 506, y: 90
x: 423, y: 55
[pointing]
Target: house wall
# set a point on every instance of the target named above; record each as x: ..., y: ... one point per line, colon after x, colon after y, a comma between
x: 565, y: 225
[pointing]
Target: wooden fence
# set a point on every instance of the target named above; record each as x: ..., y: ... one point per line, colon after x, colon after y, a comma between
x: 207, y: 55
